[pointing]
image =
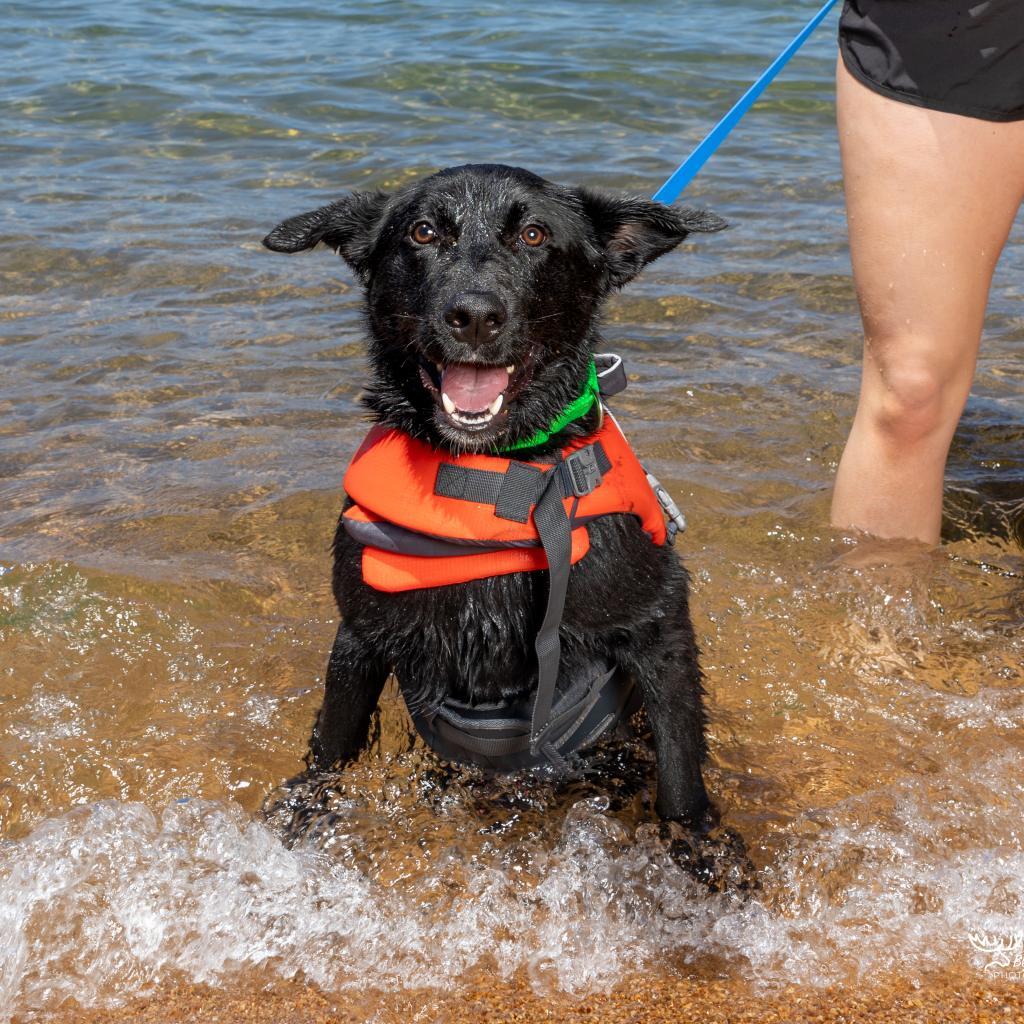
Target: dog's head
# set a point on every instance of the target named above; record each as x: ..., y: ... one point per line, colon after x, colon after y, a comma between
x: 483, y: 285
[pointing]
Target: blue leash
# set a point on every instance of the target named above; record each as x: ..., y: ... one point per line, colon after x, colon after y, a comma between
x: 687, y: 170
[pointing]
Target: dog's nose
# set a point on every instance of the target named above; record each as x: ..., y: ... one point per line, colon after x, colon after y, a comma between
x: 475, y: 317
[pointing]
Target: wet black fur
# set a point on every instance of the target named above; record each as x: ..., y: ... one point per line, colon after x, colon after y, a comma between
x: 627, y: 599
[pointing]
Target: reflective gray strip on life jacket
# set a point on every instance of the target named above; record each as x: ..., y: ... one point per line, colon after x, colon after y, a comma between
x: 389, y: 536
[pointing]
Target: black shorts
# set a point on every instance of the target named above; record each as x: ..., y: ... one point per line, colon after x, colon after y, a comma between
x: 961, y: 57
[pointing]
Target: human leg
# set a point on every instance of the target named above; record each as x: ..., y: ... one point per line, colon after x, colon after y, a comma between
x: 930, y: 201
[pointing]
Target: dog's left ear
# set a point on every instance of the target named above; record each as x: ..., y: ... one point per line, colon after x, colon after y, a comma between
x: 347, y: 226
x: 634, y: 231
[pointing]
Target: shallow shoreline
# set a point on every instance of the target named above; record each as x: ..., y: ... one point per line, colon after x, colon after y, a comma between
x: 953, y: 998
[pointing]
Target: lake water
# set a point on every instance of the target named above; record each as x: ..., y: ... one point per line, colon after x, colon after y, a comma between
x: 177, y: 406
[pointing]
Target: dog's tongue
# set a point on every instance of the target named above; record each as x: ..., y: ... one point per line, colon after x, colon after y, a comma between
x: 471, y: 387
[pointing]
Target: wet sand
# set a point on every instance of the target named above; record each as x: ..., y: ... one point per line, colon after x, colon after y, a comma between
x: 945, y: 999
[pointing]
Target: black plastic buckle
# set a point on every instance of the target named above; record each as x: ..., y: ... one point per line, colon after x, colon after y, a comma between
x: 584, y: 472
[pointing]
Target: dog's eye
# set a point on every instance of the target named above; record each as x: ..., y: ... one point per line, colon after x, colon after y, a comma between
x: 533, y: 235
x: 423, y: 233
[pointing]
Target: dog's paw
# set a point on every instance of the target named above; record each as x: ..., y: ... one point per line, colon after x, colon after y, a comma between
x: 308, y: 803
x: 712, y: 854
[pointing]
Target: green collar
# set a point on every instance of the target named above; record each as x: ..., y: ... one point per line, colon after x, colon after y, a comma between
x: 576, y: 409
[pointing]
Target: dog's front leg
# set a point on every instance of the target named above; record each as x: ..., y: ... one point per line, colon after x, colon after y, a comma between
x: 352, y: 687
x: 671, y: 685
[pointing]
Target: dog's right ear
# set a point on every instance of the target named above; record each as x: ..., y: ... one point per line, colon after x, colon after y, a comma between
x: 347, y: 226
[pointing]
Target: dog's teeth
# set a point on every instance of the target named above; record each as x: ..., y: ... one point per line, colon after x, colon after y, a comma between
x: 473, y: 419
x: 495, y: 405
x: 449, y: 405
x: 510, y: 369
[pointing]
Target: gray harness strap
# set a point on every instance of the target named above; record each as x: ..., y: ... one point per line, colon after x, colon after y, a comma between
x: 556, y: 537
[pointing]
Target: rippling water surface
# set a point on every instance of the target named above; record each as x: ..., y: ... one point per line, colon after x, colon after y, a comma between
x: 176, y: 409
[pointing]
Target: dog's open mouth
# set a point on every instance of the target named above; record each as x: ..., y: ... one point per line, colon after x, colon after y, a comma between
x: 473, y: 395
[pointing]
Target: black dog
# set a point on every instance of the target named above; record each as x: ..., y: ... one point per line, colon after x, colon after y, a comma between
x: 484, y: 285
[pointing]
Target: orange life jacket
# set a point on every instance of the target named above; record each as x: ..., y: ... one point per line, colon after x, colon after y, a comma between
x: 428, y: 519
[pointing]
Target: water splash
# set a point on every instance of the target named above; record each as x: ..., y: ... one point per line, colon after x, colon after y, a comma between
x: 110, y: 901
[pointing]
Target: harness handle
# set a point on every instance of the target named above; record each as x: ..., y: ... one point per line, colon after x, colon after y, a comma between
x: 611, y: 374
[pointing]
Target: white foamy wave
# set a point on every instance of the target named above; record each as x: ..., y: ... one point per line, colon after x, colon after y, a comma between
x: 109, y: 901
